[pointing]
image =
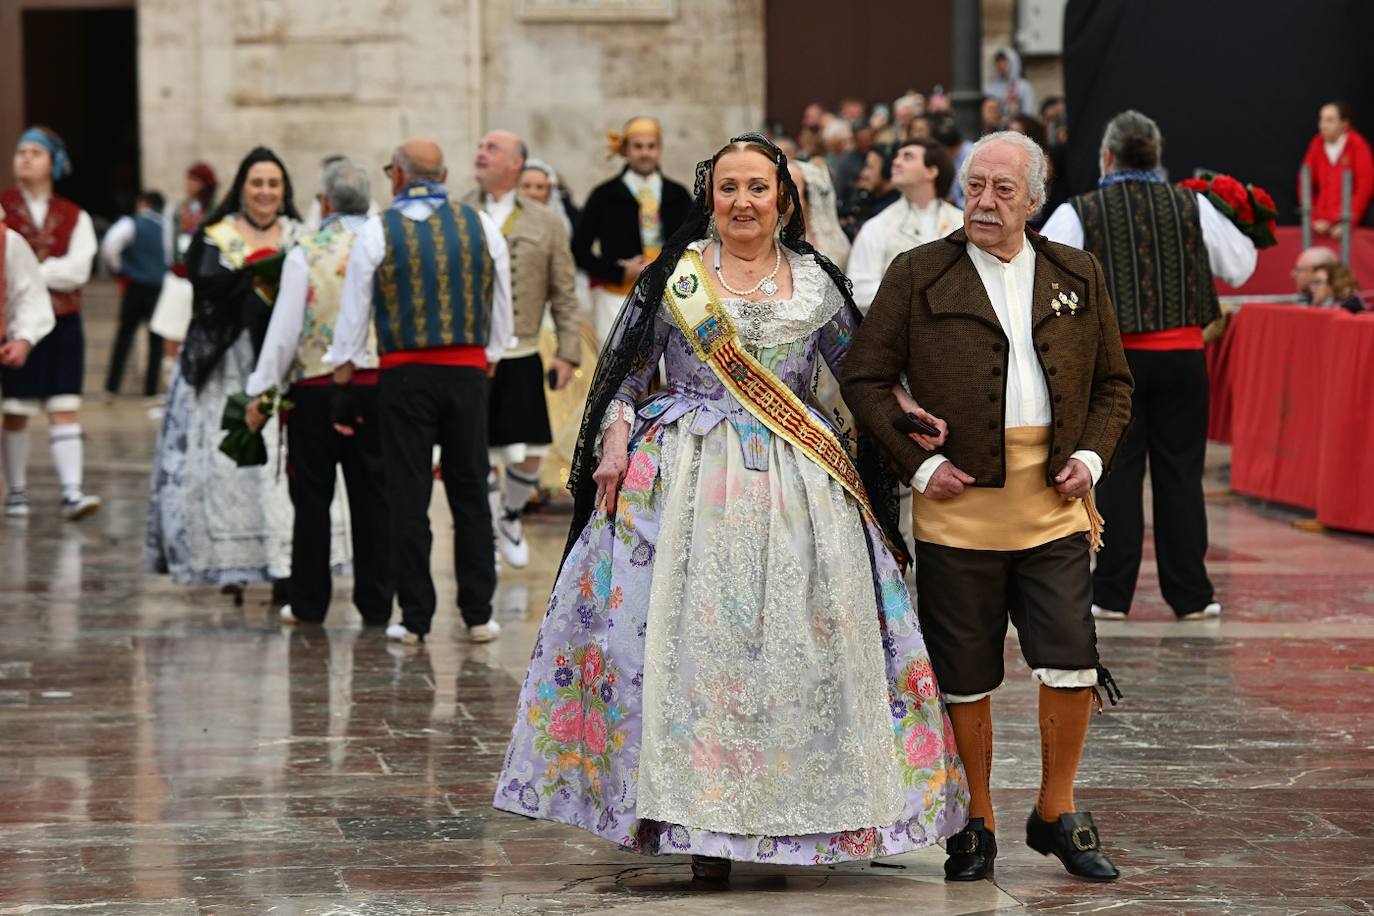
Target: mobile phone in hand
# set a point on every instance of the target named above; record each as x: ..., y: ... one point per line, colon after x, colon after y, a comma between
x: 910, y: 423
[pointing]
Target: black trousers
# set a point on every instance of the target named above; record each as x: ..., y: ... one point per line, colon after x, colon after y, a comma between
x: 134, y: 309
x: 965, y: 598
x: 423, y: 406
x: 1170, y: 431
x: 316, y: 450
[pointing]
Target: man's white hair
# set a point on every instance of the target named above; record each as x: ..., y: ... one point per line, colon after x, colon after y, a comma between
x: 837, y: 129
x: 1037, y: 164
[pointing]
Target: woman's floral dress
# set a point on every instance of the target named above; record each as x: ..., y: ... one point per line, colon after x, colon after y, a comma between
x: 732, y: 665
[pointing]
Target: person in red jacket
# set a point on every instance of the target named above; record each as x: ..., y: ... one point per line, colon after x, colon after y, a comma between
x: 1338, y: 148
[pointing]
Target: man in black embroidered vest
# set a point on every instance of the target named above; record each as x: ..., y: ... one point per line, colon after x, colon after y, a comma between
x: 1160, y: 246
x: 433, y: 277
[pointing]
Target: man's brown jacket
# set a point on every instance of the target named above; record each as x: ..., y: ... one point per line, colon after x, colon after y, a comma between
x: 932, y: 319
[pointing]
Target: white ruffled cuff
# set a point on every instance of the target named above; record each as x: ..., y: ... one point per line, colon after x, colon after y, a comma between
x: 617, y: 411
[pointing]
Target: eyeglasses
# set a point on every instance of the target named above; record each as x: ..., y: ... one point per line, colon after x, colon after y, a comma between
x: 388, y: 169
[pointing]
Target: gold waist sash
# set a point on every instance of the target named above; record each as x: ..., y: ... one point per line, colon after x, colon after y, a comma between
x: 1022, y: 514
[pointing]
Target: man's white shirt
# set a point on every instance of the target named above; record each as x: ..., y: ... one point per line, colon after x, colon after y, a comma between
x: 898, y: 227
x: 1009, y: 286
x: 66, y: 272
x: 369, y: 250
x: 28, y: 308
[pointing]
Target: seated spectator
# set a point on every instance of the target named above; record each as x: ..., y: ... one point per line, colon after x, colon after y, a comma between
x: 852, y: 111
x: 873, y: 192
x: 990, y: 115
x: 905, y: 109
x: 1334, y: 286
x: 880, y: 122
x: 947, y: 133
x: 809, y: 141
x: 843, y: 157
x: 864, y: 140
x: 1029, y: 125
x: 1056, y: 120
x: 1306, y: 266
x: 1336, y: 149
x: 921, y: 127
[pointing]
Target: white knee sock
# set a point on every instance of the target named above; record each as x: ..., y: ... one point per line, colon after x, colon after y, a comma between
x: 518, y: 488
x: 15, y: 446
x: 66, y: 445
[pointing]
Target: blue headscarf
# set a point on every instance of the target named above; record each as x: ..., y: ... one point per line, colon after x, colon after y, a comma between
x: 61, y: 163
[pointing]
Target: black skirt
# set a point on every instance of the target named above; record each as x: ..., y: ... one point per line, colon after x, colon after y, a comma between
x: 56, y: 366
x: 518, y: 414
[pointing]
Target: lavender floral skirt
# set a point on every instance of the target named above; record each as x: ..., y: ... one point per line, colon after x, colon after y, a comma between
x: 575, y: 751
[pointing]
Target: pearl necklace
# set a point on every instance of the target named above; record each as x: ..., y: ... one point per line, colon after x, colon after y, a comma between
x: 765, y: 286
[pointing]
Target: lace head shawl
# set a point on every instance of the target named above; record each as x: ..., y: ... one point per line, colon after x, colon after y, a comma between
x: 629, y: 346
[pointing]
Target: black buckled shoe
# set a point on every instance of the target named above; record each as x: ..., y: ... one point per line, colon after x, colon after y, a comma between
x: 971, y: 853
x: 1073, y: 838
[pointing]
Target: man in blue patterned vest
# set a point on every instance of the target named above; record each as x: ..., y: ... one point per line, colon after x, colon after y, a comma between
x: 433, y: 279
x: 1160, y: 246
x: 135, y: 249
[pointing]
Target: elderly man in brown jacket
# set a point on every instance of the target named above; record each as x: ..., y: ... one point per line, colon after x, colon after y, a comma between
x: 1010, y: 346
x: 542, y: 275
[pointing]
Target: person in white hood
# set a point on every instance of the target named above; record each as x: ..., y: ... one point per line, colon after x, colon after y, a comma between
x: 1009, y: 87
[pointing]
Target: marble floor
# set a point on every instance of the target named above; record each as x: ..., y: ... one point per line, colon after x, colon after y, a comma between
x: 163, y: 751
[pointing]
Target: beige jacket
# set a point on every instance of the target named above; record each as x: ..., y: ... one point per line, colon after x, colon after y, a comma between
x: 541, y: 272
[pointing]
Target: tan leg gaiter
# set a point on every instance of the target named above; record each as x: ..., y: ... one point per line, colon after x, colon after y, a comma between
x: 973, y: 733
x: 1064, y: 714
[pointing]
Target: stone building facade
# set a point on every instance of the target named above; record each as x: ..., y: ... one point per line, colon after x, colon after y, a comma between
x: 310, y: 77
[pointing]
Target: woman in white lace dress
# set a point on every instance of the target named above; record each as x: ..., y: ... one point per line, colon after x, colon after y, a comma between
x: 209, y: 522
x: 730, y: 665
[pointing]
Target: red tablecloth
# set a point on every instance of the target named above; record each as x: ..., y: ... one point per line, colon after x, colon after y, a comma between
x: 1301, y: 388
x: 1219, y: 404
x: 1278, y: 373
x: 1345, y: 472
x: 1274, y: 271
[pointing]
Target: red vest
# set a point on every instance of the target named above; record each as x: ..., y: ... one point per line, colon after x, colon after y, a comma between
x: 47, y: 241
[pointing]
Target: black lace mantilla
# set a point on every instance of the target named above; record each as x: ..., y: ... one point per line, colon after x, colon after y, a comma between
x: 630, y: 345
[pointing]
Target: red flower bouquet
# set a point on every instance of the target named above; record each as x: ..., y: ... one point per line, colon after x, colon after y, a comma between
x: 1249, y: 207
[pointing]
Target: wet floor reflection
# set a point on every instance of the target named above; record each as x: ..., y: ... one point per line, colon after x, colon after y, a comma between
x: 163, y: 751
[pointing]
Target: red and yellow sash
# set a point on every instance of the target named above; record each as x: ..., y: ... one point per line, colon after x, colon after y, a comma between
x: 708, y: 328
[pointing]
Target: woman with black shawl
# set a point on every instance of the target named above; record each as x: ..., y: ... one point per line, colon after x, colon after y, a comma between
x: 730, y: 665
x: 210, y: 522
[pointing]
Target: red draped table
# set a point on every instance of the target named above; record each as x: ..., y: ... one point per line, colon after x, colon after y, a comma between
x: 1299, y: 383
x: 1345, y: 468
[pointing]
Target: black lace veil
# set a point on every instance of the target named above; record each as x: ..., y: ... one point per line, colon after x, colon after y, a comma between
x: 630, y: 345
x: 225, y: 303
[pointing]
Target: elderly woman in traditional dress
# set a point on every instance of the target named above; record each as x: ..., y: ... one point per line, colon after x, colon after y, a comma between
x: 730, y: 666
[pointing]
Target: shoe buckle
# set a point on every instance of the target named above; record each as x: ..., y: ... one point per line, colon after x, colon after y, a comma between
x: 968, y: 842
x: 1084, y: 845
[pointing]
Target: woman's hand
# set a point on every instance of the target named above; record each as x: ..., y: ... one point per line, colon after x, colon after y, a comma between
x: 910, y: 406
x: 614, y: 461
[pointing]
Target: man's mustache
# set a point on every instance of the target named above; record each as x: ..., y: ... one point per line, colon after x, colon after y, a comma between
x: 990, y: 218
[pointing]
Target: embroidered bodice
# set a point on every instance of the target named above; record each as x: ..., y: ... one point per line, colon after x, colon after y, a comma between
x: 787, y: 335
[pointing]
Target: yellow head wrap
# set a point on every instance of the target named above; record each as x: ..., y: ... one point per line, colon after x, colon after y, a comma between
x: 615, y: 140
